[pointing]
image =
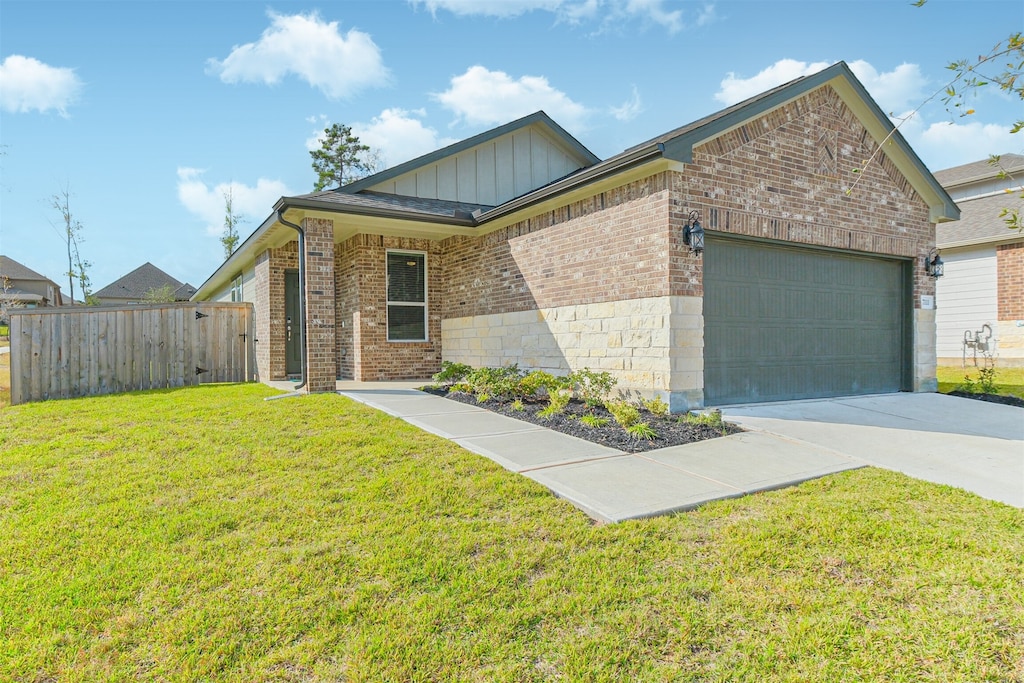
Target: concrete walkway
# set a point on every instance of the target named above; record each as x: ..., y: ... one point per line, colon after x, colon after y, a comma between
x: 961, y: 442
x: 964, y: 443
x: 605, y: 483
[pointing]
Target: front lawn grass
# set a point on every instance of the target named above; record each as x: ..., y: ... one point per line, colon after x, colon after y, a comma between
x: 206, y: 534
x: 1010, y: 381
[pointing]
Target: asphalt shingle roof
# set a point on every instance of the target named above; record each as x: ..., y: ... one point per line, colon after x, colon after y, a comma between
x: 368, y: 199
x: 979, y: 221
x: 978, y: 170
x: 137, y: 283
x: 16, y: 271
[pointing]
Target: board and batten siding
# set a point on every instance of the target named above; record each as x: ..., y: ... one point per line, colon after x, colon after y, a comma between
x: 966, y: 298
x: 490, y: 173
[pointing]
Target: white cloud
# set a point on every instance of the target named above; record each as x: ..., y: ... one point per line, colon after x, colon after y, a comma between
x: 252, y: 204
x: 734, y: 89
x: 27, y: 84
x: 946, y: 144
x: 901, y: 88
x: 399, y: 135
x: 484, y: 97
x: 629, y: 109
x: 491, y: 8
x: 310, y: 48
x: 572, y: 11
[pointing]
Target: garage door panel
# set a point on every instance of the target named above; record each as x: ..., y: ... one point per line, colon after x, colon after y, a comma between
x: 784, y: 323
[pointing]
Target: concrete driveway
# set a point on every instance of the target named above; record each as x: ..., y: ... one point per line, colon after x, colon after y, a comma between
x: 961, y: 442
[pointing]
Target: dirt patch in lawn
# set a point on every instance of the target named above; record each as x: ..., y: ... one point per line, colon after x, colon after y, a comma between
x: 671, y: 430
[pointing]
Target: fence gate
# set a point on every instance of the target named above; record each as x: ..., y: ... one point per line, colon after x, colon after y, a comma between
x: 83, y: 351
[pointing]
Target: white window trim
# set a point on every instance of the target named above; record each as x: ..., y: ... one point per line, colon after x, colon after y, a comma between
x: 237, y: 283
x: 426, y: 298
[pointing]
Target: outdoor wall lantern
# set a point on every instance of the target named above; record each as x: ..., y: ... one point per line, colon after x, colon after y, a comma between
x: 693, y: 233
x: 933, y: 264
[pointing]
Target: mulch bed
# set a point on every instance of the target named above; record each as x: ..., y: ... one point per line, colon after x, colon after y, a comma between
x: 671, y: 430
x: 991, y: 398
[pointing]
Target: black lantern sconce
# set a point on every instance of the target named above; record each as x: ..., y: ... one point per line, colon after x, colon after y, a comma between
x: 693, y: 233
x: 933, y: 264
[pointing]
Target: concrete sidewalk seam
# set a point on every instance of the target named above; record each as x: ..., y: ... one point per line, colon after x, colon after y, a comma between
x: 688, y: 472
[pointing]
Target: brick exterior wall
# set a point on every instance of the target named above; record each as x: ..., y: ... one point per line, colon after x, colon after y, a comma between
x: 614, y: 246
x: 1010, y: 280
x: 785, y: 177
x: 364, y: 352
x: 321, y: 368
x: 781, y: 177
x: 270, y: 313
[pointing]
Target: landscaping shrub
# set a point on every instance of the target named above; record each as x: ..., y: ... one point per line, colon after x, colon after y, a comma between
x: 592, y: 387
x: 626, y: 414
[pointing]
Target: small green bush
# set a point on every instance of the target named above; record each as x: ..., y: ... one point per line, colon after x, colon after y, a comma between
x: 593, y: 387
x: 594, y: 421
x: 985, y: 384
x: 642, y: 430
x: 517, y: 406
x: 483, y: 398
x: 712, y: 418
x: 533, y: 382
x: 501, y: 382
x: 557, y: 401
x: 656, y: 406
x: 451, y: 373
x: 626, y: 414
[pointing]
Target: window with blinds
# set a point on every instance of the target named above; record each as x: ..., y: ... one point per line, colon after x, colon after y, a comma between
x: 407, y: 296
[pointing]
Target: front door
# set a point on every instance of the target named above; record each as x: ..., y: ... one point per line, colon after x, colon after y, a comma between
x: 292, y: 328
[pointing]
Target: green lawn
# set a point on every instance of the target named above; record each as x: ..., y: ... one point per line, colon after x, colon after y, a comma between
x: 206, y: 534
x: 1010, y: 381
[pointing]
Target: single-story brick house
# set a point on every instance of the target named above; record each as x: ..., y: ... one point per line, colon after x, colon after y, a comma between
x: 980, y: 317
x: 520, y: 246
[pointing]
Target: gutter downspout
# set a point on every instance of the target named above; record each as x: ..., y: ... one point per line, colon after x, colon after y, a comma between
x: 302, y: 291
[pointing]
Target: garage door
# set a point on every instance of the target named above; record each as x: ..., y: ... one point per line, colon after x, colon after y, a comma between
x: 785, y: 323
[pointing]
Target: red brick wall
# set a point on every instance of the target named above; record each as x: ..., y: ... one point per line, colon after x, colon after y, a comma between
x: 321, y: 364
x: 785, y: 177
x: 609, y: 247
x: 269, y: 305
x: 361, y: 304
x: 782, y: 177
x: 1010, y: 280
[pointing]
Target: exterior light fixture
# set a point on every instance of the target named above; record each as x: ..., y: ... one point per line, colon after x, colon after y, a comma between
x: 693, y: 233
x: 933, y: 264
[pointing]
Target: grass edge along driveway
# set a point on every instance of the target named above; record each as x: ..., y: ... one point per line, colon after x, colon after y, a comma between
x: 206, y: 534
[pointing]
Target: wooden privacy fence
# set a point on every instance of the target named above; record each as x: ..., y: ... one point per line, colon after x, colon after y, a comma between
x: 68, y: 352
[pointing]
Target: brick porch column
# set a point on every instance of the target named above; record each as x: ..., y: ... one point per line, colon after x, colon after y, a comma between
x: 321, y: 369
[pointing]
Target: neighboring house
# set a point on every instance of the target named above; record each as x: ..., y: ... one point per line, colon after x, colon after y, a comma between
x: 519, y: 246
x: 134, y: 287
x: 980, y: 298
x: 22, y: 287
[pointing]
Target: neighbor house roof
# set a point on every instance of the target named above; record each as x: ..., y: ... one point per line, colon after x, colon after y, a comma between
x: 672, y: 147
x: 20, y: 295
x: 979, y: 170
x: 980, y: 222
x: 16, y: 271
x: 136, y: 284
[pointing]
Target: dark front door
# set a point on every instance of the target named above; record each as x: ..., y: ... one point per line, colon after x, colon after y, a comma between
x: 292, y: 332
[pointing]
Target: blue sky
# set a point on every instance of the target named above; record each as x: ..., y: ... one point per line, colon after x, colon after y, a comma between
x: 149, y: 111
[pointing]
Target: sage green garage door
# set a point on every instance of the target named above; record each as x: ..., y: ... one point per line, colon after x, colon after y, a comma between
x: 785, y: 323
